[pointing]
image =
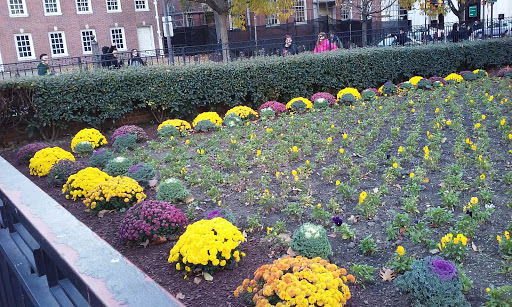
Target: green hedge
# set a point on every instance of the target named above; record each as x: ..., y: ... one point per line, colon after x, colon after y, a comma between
x: 102, y: 96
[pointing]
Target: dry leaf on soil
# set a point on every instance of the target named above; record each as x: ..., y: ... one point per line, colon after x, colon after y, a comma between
x: 387, y: 274
x: 207, y: 276
x: 475, y: 248
x: 197, y: 280
x: 180, y: 296
x: 290, y: 252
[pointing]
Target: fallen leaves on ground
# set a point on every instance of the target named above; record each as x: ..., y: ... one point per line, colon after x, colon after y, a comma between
x: 387, y: 274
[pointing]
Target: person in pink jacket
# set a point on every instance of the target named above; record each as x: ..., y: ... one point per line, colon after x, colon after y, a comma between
x: 322, y: 44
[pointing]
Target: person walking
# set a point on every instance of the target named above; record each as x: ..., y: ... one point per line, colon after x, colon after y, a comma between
x: 135, y: 59
x: 454, y: 35
x: 323, y: 44
x: 43, y: 68
x: 289, y: 48
x: 335, y: 39
x: 107, y: 57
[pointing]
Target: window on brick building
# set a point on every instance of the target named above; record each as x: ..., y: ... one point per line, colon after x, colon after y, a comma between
x: 86, y: 36
x: 141, y: 5
x: 117, y: 37
x: 113, y: 6
x: 58, y: 43
x: 272, y: 20
x: 17, y: 8
x: 24, y: 46
x: 300, y: 10
x: 83, y: 6
x: 51, y: 7
x: 346, y: 10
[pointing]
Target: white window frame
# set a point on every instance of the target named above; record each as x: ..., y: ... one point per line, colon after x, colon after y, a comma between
x: 31, y: 45
x: 23, y: 4
x: 123, y: 38
x: 118, y: 10
x: 46, y: 13
x: 304, y: 10
x: 271, y: 21
x: 346, y: 10
x: 82, y: 39
x: 146, y: 5
x: 89, y: 5
x: 64, y: 44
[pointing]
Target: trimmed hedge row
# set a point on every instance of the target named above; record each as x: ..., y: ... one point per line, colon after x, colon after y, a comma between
x: 101, y: 96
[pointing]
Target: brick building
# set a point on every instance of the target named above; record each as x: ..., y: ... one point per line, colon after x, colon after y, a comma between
x: 64, y: 28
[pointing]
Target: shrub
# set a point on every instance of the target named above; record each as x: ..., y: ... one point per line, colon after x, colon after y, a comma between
x: 424, y: 84
x: 504, y: 73
x: 80, y: 183
x: 469, y: 76
x: 130, y: 129
x: 405, y: 86
x: 310, y: 240
x: 223, y: 213
x: 243, y: 112
x: 88, y: 134
x: 438, y: 79
x: 213, y: 117
x: 348, y: 90
x: 60, y: 172
x: 149, y: 219
x: 168, y: 132
x: 300, y: 280
x: 179, y: 124
x: 118, y: 166
x: 434, y: 282
x: 453, y: 77
x: 368, y: 95
x: 299, y: 104
x: 26, y: 152
x: 321, y: 104
x: 45, y: 158
x: 207, y: 246
x: 125, y: 141
x: 330, y: 98
x: 274, y: 105
x: 267, y: 112
x: 83, y: 148
x: 114, y: 194
x: 232, y: 120
x: 172, y: 190
x: 142, y: 173
x: 100, y: 158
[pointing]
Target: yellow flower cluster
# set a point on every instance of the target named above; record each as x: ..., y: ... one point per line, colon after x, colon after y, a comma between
x: 44, y: 159
x: 298, y: 281
x: 449, y: 239
x: 88, y: 135
x: 181, y: 125
x: 455, y: 77
x: 414, y: 80
x: 116, y: 193
x: 477, y: 70
x: 207, y: 243
x: 242, y: 111
x: 507, y: 237
x: 80, y: 183
x: 308, y: 102
x: 362, y: 197
x: 211, y: 116
x: 348, y: 90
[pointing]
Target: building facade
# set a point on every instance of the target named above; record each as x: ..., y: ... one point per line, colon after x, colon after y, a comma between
x: 63, y: 28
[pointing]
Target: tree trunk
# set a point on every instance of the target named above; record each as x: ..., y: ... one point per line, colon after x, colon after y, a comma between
x: 221, y: 23
x: 364, y: 29
x: 462, y: 12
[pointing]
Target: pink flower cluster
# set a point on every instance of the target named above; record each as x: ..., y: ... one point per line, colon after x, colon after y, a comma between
x: 329, y: 97
x: 274, y: 105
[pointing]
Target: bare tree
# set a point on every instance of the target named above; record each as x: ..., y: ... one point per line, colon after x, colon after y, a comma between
x: 367, y: 8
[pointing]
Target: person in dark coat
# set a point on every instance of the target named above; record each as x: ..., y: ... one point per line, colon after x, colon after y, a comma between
x: 116, y: 61
x: 135, y: 59
x: 401, y: 38
x: 288, y: 48
x: 454, y: 35
x: 107, y: 58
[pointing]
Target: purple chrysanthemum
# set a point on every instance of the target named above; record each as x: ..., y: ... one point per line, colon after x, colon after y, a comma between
x: 337, y: 221
x: 444, y: 269
x: 213, y: 214
x: 327, y: 96
x: 28, y: 151
x: 130, y: 129
x: 277, y: 107
x: 434, y: 79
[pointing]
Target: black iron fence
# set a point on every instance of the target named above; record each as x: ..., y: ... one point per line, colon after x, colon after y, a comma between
x: 238, y: 50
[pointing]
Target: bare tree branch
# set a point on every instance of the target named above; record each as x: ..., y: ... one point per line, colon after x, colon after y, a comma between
x: 452, y: 7
x: 383, y: 8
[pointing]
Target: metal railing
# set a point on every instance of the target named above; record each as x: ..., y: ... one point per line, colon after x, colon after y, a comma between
x: 239, y: 50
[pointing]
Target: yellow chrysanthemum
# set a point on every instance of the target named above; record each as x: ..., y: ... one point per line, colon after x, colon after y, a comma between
x: 455, y: 77
x: 242, y: 111
x: 309, y: 104
x: 414, y: 80
x: 348, y: 90
x: 44, y: 159
x: 179, y: 124
x: 211, y: 116
x: 90, y: 135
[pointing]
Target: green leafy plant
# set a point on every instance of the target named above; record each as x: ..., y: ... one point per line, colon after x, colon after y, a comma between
x: 368, y: 245
x: 310, y: 240
x: 499, y: 297
x: 454, y: 247
x: 83, y: 148
x: 294, y: 210
x: 125, y: 141
x: 168, y: 132
x: 438, y: 216
x: 362, y: 272
x: 400, y: 262
x: 142, y: 173
x: 172, y: 190
x: 232, y: 120
x: 118, y: 166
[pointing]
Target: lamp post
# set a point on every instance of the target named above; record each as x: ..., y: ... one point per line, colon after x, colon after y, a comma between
x: 170, y: 52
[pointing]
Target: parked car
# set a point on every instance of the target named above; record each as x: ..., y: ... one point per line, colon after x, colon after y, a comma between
x: 390, y: 41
